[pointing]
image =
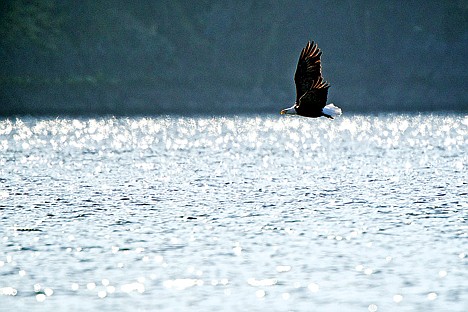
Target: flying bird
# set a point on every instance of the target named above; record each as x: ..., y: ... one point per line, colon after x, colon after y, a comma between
x: 311, y: 89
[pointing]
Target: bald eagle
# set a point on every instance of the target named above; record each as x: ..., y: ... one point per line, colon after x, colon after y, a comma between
x: 311, y: 89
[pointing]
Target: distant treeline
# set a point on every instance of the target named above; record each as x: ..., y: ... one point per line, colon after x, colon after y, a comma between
x: 180, y: 56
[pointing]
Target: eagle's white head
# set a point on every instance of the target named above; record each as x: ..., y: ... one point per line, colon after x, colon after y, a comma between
x: 289, y: 111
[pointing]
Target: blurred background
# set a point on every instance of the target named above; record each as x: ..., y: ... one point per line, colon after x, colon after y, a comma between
x: 184, y: 57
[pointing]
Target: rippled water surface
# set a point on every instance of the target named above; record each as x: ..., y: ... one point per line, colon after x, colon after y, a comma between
x: 253, y: 213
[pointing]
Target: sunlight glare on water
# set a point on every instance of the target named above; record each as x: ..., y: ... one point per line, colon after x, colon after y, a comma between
x: 361, y: 213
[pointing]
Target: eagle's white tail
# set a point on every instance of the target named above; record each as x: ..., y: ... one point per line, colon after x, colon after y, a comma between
x: 331, y: 110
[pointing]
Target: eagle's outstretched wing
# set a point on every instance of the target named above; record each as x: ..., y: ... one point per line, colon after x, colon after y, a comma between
x: 311, y: 89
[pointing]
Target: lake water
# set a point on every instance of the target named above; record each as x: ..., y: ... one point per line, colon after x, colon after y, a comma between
x: 242, y: 213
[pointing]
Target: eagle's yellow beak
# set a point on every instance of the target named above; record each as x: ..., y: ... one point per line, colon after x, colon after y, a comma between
x: 283, y: 112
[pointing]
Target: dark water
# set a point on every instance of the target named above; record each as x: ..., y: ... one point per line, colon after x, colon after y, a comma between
x: 363, y: 213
